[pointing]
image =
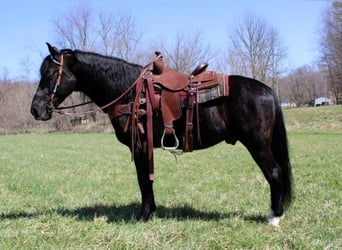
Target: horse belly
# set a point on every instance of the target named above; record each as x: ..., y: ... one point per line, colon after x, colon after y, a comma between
x: 213, y: 122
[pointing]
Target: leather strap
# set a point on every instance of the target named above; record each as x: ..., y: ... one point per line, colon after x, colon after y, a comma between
x: 150, y: 106
x: 188, y: 137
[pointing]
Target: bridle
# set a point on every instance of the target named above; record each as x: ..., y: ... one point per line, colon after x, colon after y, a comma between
x: 57, y: 84
x: 60, y: 63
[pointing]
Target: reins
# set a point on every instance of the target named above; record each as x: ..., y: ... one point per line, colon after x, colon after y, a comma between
x: 74, y: 106
x: 81, y: 114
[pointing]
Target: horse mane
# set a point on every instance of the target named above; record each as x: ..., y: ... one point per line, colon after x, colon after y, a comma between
x: 109, y: 68
x: 87, y: 55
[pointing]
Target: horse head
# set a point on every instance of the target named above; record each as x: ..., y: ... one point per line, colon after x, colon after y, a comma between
x: 57, y: 82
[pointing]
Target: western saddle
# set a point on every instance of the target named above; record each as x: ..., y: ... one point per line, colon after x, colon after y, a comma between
x: 160, y: 88
x: 177, y: 89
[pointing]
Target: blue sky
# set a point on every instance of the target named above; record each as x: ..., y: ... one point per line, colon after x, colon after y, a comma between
x: 25, y: 26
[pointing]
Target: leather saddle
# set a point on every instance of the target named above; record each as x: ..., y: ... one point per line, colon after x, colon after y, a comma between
x: 171, y: 84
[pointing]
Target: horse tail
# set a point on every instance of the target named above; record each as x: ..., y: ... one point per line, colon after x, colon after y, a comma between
x: 281, y: 153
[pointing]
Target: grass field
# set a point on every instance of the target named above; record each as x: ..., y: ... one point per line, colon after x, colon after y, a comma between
x: 79, y: 191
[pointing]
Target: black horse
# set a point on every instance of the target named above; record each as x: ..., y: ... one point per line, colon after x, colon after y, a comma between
x: 250, y: 114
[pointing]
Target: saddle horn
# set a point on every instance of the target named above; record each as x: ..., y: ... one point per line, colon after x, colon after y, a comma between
x: 158, y: 64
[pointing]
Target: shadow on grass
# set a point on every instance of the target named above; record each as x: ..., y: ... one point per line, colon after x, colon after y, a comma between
x: 126, y: 213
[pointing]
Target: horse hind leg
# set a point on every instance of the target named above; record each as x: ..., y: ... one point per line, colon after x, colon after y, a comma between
x: 272, y: 172
x: 277, y: 200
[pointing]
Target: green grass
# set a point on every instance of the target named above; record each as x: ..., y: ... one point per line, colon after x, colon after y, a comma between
x: 79, y: 191
x: 320, y: 119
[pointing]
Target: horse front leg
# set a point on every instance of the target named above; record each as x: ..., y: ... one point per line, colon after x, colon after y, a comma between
x: 148, y: 205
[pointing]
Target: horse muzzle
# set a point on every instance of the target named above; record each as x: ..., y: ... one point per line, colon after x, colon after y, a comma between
x: 42, y: 113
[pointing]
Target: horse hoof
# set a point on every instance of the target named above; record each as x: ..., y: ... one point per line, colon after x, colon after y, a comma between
x: 274, y: 220
x: 144, y: 218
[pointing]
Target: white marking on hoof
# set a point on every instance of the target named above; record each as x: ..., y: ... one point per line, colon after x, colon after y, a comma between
x: 274, y: 220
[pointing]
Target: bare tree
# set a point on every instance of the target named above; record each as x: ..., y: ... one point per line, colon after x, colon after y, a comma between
x: 4, y: 75
x: 103, y: 32
x: 74, y: 30
x: 187, y: 52
x: 118, y: 36
x: 303, y: 85
x: 297, y: 87
x: 15, y: 98
x: 256, y: 50
x: 331, y: 48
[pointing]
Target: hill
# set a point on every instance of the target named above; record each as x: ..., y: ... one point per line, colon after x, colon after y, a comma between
x: 323, y: 119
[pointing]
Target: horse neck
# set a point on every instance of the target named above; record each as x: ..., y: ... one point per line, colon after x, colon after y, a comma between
x: 102, y: 78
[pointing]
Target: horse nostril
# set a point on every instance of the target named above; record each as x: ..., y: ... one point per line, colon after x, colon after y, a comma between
x: 34, y: 112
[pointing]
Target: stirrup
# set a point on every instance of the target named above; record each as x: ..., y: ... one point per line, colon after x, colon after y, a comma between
x: 169, y: 148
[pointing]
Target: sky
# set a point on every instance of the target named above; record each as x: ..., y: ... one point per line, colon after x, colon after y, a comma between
x: 25, y: 26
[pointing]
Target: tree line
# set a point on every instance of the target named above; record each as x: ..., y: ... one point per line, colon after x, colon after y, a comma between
x: 254, y: 49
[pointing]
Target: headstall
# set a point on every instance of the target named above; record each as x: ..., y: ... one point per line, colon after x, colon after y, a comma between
x: 59, y: 76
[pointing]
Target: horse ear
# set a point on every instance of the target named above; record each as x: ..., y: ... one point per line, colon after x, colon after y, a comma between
x: 53, y: 50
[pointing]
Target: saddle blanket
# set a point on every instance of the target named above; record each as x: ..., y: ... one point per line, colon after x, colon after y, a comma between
x: 211, y: 92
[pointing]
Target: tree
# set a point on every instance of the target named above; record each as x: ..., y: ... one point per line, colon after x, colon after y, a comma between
x: 102, y: 32
x: 118, y: 37
x: 302, y: 86
x: 331, y: 48
x: 107, y: 34
x: 15, y: 98
x: 256, y: 50
x: 74, y: 30
x: 187, y: 52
